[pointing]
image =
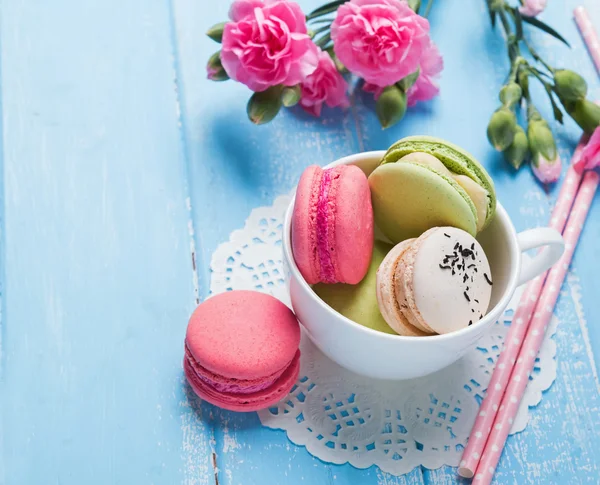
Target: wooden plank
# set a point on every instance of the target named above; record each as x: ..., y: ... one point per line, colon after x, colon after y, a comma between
x: 98, y: 274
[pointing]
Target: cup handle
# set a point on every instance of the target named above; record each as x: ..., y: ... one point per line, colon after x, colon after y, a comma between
x: 544, y: 259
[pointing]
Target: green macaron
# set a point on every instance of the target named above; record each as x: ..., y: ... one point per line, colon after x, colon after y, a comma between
x: 359, y: 302
x: 424, y: 182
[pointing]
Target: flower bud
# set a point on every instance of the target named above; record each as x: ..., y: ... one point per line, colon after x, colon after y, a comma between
x: 540, y: 139
x: 263, y: 106
x: 510, y: 94
x: 214, y: 68
x: 290, y: 96
x: 523, y: 78
x: 546, y: 170
x: 585, y: 113
x: 569, y: 85
x: 391, y: 106
x: 516, y: 153
x: 501, y: 129
x: 216, y: 32
x: 415, y: 5
x: 407, y: 83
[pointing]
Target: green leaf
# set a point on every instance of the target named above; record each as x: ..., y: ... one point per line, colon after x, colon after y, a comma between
x: 545, y: 27
x: 323, y: 41
x: 322, y: 21
x: 492, y: 13
x: 325, y: 9
x: 558, y: 114
x: 320, y: 30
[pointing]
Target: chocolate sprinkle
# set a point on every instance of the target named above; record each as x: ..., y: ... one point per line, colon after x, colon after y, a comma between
x: 457, y: 263
x: 470, y: 322
x: 476, y: 301
x: 487, y: 278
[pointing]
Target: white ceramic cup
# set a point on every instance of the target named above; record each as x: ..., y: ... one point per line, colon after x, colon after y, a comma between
x: 379, y: 355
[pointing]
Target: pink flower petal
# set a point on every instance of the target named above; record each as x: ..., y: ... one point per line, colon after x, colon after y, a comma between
x: 546, y: 171
x: 590, y: 155
x: 266, y: 44
x: 381, y: 41
x: 240, y: 9
x: 324, y: 86
x: 532, y: 8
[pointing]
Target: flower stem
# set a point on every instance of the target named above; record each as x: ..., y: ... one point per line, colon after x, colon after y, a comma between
x: 428, y: 8
x: 536, y: 56
x: 504, y: 20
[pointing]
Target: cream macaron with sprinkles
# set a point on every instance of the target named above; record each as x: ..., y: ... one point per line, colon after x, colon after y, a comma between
x: 437, y: 283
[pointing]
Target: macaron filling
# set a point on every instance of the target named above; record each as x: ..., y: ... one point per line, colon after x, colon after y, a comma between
x: 326, y: 225
x: 229, y: 384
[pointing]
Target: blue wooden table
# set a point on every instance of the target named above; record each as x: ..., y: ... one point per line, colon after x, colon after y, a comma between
x: 121, y: 163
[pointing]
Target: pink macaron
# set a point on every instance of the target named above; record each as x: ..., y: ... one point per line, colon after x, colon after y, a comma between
x: 332, y: 225
x: 241, y: 350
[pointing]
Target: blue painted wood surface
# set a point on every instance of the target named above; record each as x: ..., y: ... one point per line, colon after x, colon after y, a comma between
x: 115, y: 147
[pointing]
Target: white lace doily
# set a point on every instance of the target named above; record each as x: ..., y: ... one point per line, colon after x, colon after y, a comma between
x: 342, y: 417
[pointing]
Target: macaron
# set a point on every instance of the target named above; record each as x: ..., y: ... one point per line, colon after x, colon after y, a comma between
x: 332, y: 225
x: 359, y: 302
x: 241, y: 350
x: 437, y: 283
x: 424, y: 182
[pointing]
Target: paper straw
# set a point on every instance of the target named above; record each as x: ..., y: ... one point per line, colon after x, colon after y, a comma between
x: 516, y: 333
x: 533, y: 341
x: 583, y: 21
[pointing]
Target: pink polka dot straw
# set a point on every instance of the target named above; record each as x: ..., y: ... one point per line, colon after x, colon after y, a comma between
x: 516, y: 334
x: 516, y: 362
x: 588, y: 33
x: 533, y: 341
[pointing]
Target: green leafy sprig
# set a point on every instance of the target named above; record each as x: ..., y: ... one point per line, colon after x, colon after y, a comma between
x: 562, y: 86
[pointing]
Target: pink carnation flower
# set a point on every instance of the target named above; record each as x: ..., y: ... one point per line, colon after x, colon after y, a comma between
x: 532, y: 8
x: 267, y: 44
x: 590, y: 155
x: 324, y: 86
x: 381, y: 41
x: 425, y: 88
